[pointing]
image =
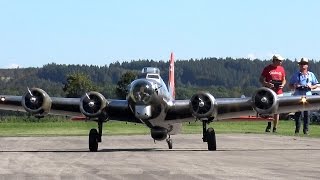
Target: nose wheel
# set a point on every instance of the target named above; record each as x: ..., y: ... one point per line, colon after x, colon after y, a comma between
x: 169, y: 141
x: 209, y: 136
x: 93, y: 140
x: 95, y: 137
x: 211, y: 139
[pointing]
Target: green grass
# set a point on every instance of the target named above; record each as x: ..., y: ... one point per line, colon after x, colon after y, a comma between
x: 285, y: 128
x: 52, y: 126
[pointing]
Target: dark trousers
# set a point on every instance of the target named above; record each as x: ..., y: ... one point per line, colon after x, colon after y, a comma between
x: 297, y: 117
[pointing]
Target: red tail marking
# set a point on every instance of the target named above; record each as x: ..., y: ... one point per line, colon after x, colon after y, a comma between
x: 171, y: 85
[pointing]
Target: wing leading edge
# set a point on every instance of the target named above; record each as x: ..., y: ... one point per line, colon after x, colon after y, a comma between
x: 264, y: 102
x: 115, y: 109
x: 201, y: 105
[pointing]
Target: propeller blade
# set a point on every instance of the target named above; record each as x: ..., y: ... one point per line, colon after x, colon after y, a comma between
x: 30, y: 91
x: 87, y: 95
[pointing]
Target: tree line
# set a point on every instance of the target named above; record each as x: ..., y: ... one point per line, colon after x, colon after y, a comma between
x: 223, y: 77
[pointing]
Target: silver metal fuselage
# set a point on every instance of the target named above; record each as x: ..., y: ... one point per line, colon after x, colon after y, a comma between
x: 149, y: 100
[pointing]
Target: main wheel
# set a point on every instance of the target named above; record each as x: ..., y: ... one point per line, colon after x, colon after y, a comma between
x: 93, y: 140
x: 211, y: 139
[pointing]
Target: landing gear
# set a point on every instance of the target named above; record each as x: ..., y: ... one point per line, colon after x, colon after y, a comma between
x: 93, y: 140
x: 209, y: 136
x: 169, y: 141
x: 95, y: 137
x: 211, y: 139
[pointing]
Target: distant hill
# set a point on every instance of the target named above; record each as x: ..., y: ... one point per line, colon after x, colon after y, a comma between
x: 221, y: 76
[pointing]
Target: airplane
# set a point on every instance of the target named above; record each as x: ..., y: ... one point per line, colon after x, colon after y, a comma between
x: 151, y: 102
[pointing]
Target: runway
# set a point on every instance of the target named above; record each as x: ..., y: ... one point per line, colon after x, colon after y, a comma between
x: 238, y: 156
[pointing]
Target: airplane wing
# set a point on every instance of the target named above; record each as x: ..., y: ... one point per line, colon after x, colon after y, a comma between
x: 202, y: 105
x: 264, y: 102
x: 92, y: 104
x: 162, y: 115
x: 221, y: 108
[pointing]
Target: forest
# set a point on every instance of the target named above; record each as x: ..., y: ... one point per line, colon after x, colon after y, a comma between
x: 223, y: 77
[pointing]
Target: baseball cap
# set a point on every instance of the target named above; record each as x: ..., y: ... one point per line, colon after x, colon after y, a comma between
x: 277, y: 57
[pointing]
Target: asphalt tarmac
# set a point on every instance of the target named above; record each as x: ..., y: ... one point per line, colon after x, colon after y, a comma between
x: 238, y: 156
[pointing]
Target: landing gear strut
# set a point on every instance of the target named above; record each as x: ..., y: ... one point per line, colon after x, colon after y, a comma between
x: 95, y: 136
x: 209, y: 136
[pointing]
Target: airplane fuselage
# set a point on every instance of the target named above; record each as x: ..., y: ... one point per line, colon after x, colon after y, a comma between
x: 149, y: 99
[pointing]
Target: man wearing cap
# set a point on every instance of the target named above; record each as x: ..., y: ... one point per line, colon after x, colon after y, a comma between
x: 273, y: 76
x: 302, y: 82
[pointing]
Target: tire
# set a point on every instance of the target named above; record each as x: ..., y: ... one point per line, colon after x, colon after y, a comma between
x: 211, y: 139
x: 93, y: 140
x: 169, y: 141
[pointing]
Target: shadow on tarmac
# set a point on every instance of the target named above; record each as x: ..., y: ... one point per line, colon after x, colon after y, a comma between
x: 155, y: 150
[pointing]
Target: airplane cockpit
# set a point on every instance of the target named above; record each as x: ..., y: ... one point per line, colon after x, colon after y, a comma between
x: 152, y: 70
x: 149, y: 82
x: 151, y: 73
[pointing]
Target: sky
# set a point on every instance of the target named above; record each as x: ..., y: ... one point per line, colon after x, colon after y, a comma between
x: 99, y: 32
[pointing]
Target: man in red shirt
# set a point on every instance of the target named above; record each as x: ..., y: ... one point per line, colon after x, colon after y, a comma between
x: 273, y: 76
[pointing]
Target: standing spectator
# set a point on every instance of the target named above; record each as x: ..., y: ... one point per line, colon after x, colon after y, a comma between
x: 273, y: 76
x: 302, y: 82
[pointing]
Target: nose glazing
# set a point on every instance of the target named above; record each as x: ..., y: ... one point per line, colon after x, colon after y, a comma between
x: 141, y: 92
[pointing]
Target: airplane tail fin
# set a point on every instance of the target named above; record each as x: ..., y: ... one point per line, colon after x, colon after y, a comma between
x: 171, y: 85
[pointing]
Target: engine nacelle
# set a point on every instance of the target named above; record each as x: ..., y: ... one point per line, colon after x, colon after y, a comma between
x: 92, y: 104
x: 159, y: 133
x: 203, y: 105
x: 37, y: 102
x: 265, y: 101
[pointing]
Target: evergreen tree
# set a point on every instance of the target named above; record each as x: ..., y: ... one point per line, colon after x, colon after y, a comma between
x: 122, y: 85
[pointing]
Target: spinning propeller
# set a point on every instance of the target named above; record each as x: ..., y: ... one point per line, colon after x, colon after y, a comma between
x: 91, y: 103
x: 264, y: 100
x: 202, y: 105
x: 36, y: 101
x: 33, y: 100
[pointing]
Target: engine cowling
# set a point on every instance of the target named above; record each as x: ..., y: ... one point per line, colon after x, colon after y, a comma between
x: 265, y: 101
x: 37, y: 102
x: 92, y: 104
x: 203, y: 105
x: 159, y: 133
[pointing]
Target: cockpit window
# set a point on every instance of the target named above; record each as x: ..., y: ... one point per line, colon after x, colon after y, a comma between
x: 142, y: 91
x: 151, y: 70
x: 153, y: 76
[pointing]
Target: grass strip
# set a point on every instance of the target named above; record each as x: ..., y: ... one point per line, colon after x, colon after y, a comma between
x: 22, y: 126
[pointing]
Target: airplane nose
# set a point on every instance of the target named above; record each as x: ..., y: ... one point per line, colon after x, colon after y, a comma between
x: 141, y: 91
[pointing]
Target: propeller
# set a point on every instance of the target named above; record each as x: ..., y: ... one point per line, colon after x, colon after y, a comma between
x: 36, y: 101
x: 33, y: 100
x: 264, y: 100
x: 201, y: 104
x: 91, y: 103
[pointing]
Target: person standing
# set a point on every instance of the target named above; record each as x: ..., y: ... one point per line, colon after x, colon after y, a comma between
x: 273, y: 76
x: 302, y: 82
